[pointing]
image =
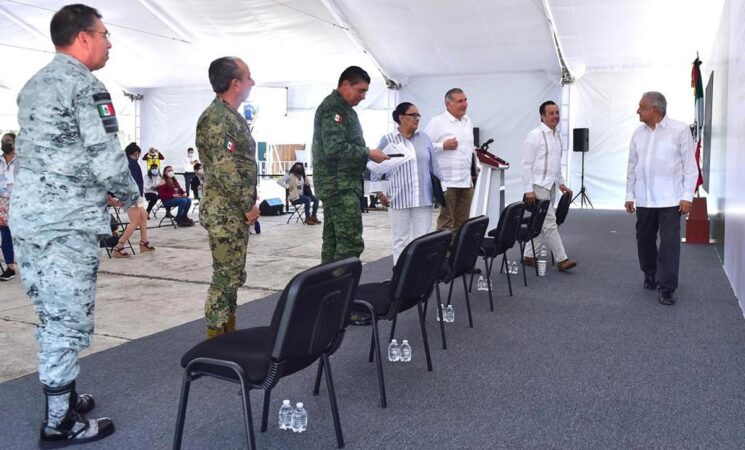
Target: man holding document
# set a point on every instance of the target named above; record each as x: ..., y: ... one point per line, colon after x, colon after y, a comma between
x: 339, y: 157
x: 409, y: 174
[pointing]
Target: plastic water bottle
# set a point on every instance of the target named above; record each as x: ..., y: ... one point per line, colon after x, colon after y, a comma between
x: 285, y: 415
x: 449, y: 315
x: 405, y: 351
x: 481, y: 285
x: 394, y: 351
x: 299, y: 419
x: 514, y: 268
x: 544, y: 251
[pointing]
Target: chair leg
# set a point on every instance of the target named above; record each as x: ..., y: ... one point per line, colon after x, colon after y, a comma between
x: 450, y: 291
x: 265, y: 413
x: 487, y: 271
x: 507, y: 270
x: 393, y: 328
x: 522, y: 261
x: 423, y: 326
x: 372, y: 347
x: 247, y: 415
x: 332, y: 399
x: 317, y: 385
x: 470, y: 283
x: 376, y: 342
x: 468, y: 301
x: 442, y: 321
x: 183, y: 401
x: 381, y: 380
x: 532, y: 245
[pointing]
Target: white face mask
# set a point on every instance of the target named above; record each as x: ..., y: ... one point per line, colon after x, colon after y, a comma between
x: 154, y: 172
x: 191, y: 155
x: 169, y: 174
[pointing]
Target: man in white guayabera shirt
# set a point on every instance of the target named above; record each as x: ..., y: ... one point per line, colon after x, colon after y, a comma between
x: 660, y: 181
x: 542, y: 175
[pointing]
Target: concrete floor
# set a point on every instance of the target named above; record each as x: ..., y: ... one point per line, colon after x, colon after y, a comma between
x: 148, y: 293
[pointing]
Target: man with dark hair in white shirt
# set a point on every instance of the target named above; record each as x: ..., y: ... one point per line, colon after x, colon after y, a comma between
x: 660, y: 181
x: 542, y: 175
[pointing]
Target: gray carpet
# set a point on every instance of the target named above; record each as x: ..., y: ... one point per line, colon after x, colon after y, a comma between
x: 581, y: 360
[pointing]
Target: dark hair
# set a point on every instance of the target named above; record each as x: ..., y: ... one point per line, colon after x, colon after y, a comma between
x: 13, y: 135
x: 152, y: 166
x: 222, y: 71
x: 542, y: 108
x: 197, y: 166
x: 354, y: 75
x: 71, y: 20
x: 170, y: 181
x: 293, y: 168
x: 132, y: 148
x: 401, y: 109
x: 190, y: 149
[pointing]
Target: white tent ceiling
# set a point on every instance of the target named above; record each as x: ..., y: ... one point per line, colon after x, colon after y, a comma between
x: 159, y: 43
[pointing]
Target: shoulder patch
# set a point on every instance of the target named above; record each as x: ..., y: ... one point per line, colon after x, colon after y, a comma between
x: 338, y: 118
x: 106, y: 111
x: 229, y: 144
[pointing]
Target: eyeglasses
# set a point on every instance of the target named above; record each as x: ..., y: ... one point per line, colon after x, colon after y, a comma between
x: 413, y: 115
x: 106, y: 33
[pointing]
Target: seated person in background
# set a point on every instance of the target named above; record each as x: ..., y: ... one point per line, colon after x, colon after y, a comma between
x: 172, y: 195
x: 298, y: 190
x: 151, y: 182
x: 137, y: 215
x: 153, y: 157
x: 197, y: 181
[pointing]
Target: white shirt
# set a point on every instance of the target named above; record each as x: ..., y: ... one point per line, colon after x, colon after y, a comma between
x: 454, y: 164
x: 543, y: 163
x: 6, y: 176
x: 188, y: 166
x: 662, y: 166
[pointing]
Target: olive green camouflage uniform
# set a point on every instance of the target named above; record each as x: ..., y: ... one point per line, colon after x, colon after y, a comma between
x: 228, y: 158
x: 339, y: 158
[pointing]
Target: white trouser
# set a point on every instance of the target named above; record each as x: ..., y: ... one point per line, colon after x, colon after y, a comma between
x: 550, y: 232
x: 408, y: 224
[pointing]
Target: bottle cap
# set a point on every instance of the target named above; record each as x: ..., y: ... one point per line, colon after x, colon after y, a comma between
x: 406, y: 341
x: 285, y: 402
x: 393, y: 340
x: 300, y: 404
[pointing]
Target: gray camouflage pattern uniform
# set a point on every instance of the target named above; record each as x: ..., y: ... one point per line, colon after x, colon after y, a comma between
x: 68, y: 159
x: 228, y: 157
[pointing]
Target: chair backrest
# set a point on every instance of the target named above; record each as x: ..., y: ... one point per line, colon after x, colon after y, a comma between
x: 563, y: 208
x: 539, y: 216
x: 466, y: 246
x: 509, y: 223
x: 313, y: 310
x: 416, y: 270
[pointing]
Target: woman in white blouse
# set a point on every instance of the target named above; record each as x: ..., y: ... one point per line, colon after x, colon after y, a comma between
x: 409, y: 192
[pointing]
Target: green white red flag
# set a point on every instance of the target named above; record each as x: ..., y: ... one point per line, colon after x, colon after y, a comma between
x: 698, y: 94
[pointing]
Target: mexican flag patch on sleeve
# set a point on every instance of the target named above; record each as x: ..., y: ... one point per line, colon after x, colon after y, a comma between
x: 229, y: 145
x: 338, y: 118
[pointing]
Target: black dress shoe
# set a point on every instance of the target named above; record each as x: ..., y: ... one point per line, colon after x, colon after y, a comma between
x: 665, y: 297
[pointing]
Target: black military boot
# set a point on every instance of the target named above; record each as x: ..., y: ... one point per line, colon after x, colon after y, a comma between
x: 81, y: 403
x: 64, y: 425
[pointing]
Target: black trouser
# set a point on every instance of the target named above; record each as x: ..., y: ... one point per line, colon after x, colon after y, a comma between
x: 659, y: 263
x: 187, y: 181
x: 151, y: 198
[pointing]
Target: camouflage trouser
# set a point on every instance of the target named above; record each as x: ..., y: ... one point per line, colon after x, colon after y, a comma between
x: 342, y: 227
x: 228, y: 242
x: 59, y: 273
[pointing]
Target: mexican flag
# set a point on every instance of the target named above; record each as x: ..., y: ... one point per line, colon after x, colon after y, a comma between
x: 698, y: 114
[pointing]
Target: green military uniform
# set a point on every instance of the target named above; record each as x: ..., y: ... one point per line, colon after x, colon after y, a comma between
x: 228, y: 158
x: 339, y: 158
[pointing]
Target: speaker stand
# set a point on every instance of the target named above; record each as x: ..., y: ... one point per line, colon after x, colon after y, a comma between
x: 582, y: 194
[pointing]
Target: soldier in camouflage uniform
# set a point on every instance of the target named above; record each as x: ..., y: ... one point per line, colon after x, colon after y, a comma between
x: 229, y: 203
x: 58, y: 214
x: 339, y: 158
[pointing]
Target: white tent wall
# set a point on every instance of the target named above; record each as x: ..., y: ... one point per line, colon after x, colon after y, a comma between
x: 732, y: 134
x: 606, y: 103
x: 503, y: 106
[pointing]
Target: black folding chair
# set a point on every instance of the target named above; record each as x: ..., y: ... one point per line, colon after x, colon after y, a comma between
x: 413, y: 278
x: 308, y: 325
x: 530, y: 228
x: 464, y: 251
x: 500, y: 240
x: 117, y: 228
